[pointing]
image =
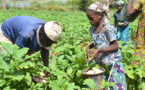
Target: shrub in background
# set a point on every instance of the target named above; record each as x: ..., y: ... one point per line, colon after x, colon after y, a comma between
x: 83, y: 4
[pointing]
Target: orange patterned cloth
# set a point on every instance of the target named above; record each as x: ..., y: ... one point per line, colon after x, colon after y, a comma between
x: 140, y: 34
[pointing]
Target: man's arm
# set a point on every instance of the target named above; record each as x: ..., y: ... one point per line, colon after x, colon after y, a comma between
x: 45, y: 57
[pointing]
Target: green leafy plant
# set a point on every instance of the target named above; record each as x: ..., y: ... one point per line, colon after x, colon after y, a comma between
x: 15, y: 70
x: 90, y: 83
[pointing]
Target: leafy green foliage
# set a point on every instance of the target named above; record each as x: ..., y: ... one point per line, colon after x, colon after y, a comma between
x: 15, y: 70
x: 90, y: 83
x: 105, y: 84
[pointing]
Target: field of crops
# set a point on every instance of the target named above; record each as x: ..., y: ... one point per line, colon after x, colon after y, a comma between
x: 67, y: 58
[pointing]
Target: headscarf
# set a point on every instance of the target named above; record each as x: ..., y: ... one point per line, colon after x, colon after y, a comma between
x: 120, y: 2
x: 102, y: 8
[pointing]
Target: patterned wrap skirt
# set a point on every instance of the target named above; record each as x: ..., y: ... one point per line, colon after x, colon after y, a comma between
x: 139, y: 47
x: 123, y: 33
x: 117, y: 75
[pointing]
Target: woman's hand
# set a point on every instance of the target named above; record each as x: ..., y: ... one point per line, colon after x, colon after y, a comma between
x: 95, y: 54
x: 122, y: 25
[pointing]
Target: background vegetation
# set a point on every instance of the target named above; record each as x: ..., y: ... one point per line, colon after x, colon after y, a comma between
x: 55, y: 5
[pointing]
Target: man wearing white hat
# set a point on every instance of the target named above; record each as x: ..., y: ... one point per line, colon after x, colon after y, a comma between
x: 30, y: 32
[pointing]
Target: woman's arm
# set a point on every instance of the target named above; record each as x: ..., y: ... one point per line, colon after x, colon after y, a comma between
x: 115, y: 22
x: 114, y: 46
x: 130, y: 9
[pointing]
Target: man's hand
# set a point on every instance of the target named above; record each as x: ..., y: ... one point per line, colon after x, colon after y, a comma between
x: 95, y: 54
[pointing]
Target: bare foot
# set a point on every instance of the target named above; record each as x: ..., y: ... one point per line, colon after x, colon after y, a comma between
x: 37, y: 79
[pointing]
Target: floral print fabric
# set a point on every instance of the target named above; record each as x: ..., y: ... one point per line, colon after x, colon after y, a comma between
x: 140, y: 34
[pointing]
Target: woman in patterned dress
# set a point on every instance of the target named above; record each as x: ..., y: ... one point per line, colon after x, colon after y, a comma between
x: 122, y: 25
x: 106, y: 47
x: 140, y: 34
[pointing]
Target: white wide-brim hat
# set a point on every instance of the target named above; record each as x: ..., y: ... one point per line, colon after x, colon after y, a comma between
x: 52, y: 30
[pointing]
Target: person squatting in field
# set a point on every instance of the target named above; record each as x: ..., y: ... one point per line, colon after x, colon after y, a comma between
x: 104, y: 41
x: 33, y: 33
x: 122, y: 25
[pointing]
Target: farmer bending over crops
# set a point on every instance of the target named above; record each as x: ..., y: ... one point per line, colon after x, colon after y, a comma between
x: 106, y: 47
x: 33, y: 33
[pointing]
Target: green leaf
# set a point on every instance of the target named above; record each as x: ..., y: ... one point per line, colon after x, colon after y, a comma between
x: 26, y: 65
x: 9, y: 48
x: 78, y: 73
x: 59, y: 49
x: 39, y: 85
x: 67, y: 45
x: 143, y: 86
x: 22, y: 52
x: 7, y: 88
x: 70, y: 52
x: 54, y: 85
x: 105, y: 84
x: 139, y: 72
x: 2, y: 54
x: 71, y: 86
x: 90, y: 65
x: 69, y: 71
x: 69, y: 57
x: 90, y: 83
x: 61, y: 57
x: 3, y: 64
x: 80, y: 61
x: 2, y: 82
x: 28, y: 78
x: 130, y: 74
x: 17, y: 76
x: 111, y: 84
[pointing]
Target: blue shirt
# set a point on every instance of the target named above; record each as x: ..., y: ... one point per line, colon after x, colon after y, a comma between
x: 103, y: 40
x: 117, y: 16
x: 22, y: 31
